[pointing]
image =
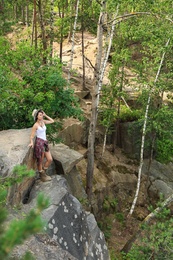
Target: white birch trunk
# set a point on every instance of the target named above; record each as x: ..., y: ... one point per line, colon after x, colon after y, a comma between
x: 105, y: 139
x: 99, y: 74
x: 92, y: 128
x: 72, y: 47
x: 143, y: 137
x: 103, y: 68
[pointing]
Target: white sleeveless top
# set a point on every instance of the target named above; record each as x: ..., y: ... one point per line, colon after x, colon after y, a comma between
x: 41, y: 132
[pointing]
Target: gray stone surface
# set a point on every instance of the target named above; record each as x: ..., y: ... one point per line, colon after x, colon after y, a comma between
x: 68, y: 157
x: 161, y: 177
x: 14, y: 147
x: 42, y: 247
x: 71, y: 232
x: 74, y: 132
x: 68, y: 225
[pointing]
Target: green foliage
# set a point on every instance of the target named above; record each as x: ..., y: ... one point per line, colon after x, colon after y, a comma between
x: 84, y: 202
x: 19, y: 172
x: 18, y: 230
x: 156, y: 239
x: 105, y: 223
x: 128, y: 115
x: 109, y: 204
x: 39, y: 86
x: 120, y: 217
x: 106, y: 226
x: 163, y: 125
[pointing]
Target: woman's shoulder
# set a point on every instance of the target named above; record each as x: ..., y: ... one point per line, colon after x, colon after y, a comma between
x: 36, y: 125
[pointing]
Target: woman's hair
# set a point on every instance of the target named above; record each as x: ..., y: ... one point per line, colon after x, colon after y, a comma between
x: 36, y: 114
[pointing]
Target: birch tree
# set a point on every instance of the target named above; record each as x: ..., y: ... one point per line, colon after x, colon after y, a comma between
x: 143, y: 135
x: 73, y: 44
x: 92, y: 128
x: 100, y: 68
x: 107, y: 52
x: 147, y: 220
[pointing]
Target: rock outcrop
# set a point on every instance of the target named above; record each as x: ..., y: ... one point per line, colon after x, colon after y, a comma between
x: 70, y: 229
x: 68, y: 225
x: 71, y: 232
x: 160, y: 176
x: 14, y: 150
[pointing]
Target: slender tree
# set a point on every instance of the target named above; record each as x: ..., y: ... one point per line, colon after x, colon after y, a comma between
x: 34, y: 26
x: 43, y: 32
x: 51, y: 28
x: 92, y: 129
x: 144, y: 133
x: 73, y: 43
x: 126, y: 248
x: 83, y: 49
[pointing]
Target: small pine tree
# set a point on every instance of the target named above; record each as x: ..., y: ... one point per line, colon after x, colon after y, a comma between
x: 156, y: 240
x: 18, y: 231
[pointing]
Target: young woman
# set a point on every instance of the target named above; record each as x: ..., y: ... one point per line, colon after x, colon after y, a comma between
x: 41, y: 148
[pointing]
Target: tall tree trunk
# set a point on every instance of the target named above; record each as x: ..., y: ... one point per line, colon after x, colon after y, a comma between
x: 43, y: 34
x: 92, y: 129
x: 143, y: 137
x: 15, y: 11
x: 51, y: 29
x: 61, y: 36
x: 27, y: 14
x: 32, y: 33
x: 34, y: 26
x: 71, y: 24
x: 116, y: 136
x: 61, y: 15
x: 2, y: 7
x: 83, y: 49
x: 73, y: 35
x: 104, y: 67
x: 99, y: 74
x: 23, y: 15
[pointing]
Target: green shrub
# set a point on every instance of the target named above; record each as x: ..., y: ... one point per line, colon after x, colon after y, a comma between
x: 18, y: 230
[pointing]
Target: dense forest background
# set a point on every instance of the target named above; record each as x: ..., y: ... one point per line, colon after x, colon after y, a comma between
x: 133, y: 36
x: 140, y: 34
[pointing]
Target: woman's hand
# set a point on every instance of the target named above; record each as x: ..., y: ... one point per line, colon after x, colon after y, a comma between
x: 31, y: 145
x: 44, y: 114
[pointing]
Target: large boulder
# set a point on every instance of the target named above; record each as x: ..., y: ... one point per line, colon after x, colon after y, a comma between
x: 15, y: 152
x: 42, y: 247
x: 65, y: 160
x: 160, y: 176
x: 68, y: 225
x: 130, y: 140
x: 14, y: 149
x: 74, y: 132
x: 69, y: 228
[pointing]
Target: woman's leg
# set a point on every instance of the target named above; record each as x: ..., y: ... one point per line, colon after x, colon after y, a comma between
x: 48, y: 159
x: 40, y: 164
x: 43, y: 176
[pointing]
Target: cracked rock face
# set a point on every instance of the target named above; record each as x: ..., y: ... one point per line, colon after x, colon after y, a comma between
x: 71, y: 232
x: 78, y: 233
x: 68, y: 227
x: 42, y: 248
